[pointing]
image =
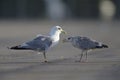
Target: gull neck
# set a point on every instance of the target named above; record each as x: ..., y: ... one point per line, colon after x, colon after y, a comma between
x: 55, y: 35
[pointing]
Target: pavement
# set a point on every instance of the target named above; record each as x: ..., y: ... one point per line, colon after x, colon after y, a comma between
x: 102, y: 64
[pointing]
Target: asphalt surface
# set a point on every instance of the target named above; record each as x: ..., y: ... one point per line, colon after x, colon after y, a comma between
x: 102, y: 64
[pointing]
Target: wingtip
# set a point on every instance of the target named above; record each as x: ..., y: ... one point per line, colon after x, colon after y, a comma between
x: 105, y: 46
x: 14, y: 47
x: 102, y: 46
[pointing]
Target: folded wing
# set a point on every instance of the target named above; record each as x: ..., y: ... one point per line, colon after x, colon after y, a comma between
x: 40, y: 43
x: 87, y: 43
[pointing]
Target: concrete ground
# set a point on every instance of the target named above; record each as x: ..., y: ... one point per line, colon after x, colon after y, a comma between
x: 103, y: 64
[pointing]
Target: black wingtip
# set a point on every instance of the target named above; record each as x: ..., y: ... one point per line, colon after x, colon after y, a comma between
x: 14, y: 47
x: 105, y: 46
x: 102, y: 46
x: 18, y: 48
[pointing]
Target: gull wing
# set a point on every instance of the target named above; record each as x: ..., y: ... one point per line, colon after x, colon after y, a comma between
x: 85, y: 43
x: 39, y: 43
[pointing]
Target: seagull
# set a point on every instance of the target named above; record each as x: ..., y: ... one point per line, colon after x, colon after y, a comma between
x: 42, y: 42
x: 85, y: 44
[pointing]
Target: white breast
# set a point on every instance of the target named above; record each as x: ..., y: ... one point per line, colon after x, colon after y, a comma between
x: 54, y: 43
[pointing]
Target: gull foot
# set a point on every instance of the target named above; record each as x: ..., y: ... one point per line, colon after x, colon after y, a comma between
x: 77, y: 61
x: 45, y: 61
x: 80, y: 61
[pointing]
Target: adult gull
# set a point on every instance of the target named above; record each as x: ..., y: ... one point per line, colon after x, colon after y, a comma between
x: 42, y: 43
x: 85, y: 44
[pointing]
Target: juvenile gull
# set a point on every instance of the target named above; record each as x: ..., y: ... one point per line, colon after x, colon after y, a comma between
x: 42, y: 43
x: 85, y: 44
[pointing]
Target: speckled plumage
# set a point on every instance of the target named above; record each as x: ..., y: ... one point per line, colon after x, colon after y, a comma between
x: 84, y: 43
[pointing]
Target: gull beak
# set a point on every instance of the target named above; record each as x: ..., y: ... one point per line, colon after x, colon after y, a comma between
x: 64, y: 40
x: 64, y: 32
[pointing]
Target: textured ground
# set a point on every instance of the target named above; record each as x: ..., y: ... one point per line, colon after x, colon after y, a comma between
x: 103, y: 64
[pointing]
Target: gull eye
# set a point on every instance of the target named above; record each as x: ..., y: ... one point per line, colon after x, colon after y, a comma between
x: 69, y: 38
x: 59, y: 28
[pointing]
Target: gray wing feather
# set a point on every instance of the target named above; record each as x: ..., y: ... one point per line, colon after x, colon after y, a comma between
x: 85, y: 43
x: 39, y: 43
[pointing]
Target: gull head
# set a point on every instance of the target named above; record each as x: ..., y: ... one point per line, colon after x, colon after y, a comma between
x: 69, y: 39
x: 56, y: 30
x: 55, y: 34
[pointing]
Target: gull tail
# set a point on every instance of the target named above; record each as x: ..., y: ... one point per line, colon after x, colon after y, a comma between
x: 102, y: 46
x: 17, y: 48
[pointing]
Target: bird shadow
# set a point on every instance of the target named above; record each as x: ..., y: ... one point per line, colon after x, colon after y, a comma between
x: 30, y: 65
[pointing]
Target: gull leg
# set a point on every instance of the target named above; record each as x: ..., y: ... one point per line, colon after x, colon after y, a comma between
x: 44, y: 54
x: 86, y: 54
x: 81, y: 56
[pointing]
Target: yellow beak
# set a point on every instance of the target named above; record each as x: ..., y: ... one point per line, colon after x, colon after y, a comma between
x: 64, y: 32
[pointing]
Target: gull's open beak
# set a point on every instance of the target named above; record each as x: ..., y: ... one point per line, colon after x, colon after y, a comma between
x: 64, y: 32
